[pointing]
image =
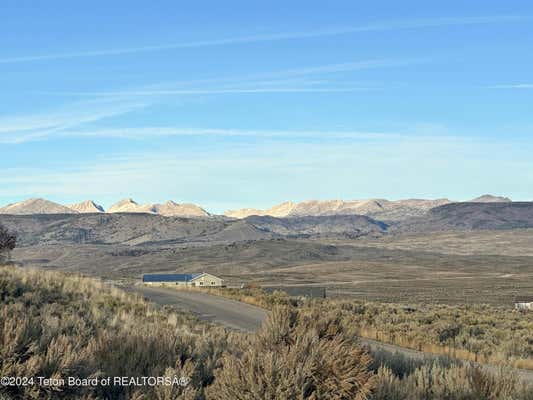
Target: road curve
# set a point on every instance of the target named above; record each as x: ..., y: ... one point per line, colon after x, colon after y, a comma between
x: 230, y: 313
x: 245, y: 317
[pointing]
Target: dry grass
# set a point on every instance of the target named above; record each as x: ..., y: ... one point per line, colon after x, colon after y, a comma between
x: 57, y: 325
x: 498, y: 242
x: 399, y: 378
x: 477, y: 333
x: 296, y: 356
x: 430, y: 382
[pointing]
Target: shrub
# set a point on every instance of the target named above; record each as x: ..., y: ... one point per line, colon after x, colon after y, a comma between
x: 54, y: 325
x: 7, y: 242
x: 58, y: 325
x: 295, y: 356
x: 438, y: 379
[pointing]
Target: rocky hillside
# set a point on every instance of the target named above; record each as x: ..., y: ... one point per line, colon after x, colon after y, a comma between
x: 168, y: 209
x: 129, y: 206
x: 488, y: 198
x: 142, y: 228
x: 130, y: 229
x: 171, y: 208
x: 334, y: 225
x: 280, y: 210
x: 42, y: 206
x: 380, y: 209
x: 36, y: 206
x: 88, y: 207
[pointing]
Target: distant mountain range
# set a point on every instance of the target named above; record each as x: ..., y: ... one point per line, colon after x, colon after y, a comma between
x: 36, y: 206
x: 378, y: 209
x: 169, y: 209
x: 42, y: 206
x: 150, y: 229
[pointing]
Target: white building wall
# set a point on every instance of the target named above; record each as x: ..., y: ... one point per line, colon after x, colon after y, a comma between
x: 204, y: 280
x: 181, y: 283
x: 524, y: 306
x: 207, y: 280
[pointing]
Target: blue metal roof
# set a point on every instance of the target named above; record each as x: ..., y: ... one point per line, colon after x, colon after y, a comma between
x: 169, y: 277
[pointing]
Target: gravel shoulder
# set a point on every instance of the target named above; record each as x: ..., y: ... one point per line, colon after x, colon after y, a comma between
x: 230, y: 313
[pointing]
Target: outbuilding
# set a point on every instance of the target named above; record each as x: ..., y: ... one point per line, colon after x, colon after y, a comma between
x: 200, y: 279
x: 524, y: 303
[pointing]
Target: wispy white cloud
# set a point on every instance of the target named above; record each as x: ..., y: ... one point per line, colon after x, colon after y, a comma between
x: 167, y: 131
x: 28, y: 127
x: 55, y: 119
x: 374, y: 27
x: 351, y: 66
x: 293, y: 80
x: 151, y: 132
x: 220, y: 91
x: 71, y: 120
x: 513, y: 86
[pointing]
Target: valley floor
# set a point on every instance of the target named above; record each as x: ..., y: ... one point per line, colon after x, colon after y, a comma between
x: 448, y: 267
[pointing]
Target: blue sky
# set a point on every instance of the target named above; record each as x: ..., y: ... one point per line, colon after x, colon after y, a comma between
x: 247, y: 104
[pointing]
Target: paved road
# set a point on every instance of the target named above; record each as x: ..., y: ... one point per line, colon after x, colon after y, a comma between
x: 237, y: 315
x: 230, y: 313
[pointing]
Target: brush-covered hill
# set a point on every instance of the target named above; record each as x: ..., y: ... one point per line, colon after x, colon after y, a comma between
x: 54, y: 325
x: 471, y: 216
x: 333, y: 225
x: 143, y: 228
x: 123, y: 228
